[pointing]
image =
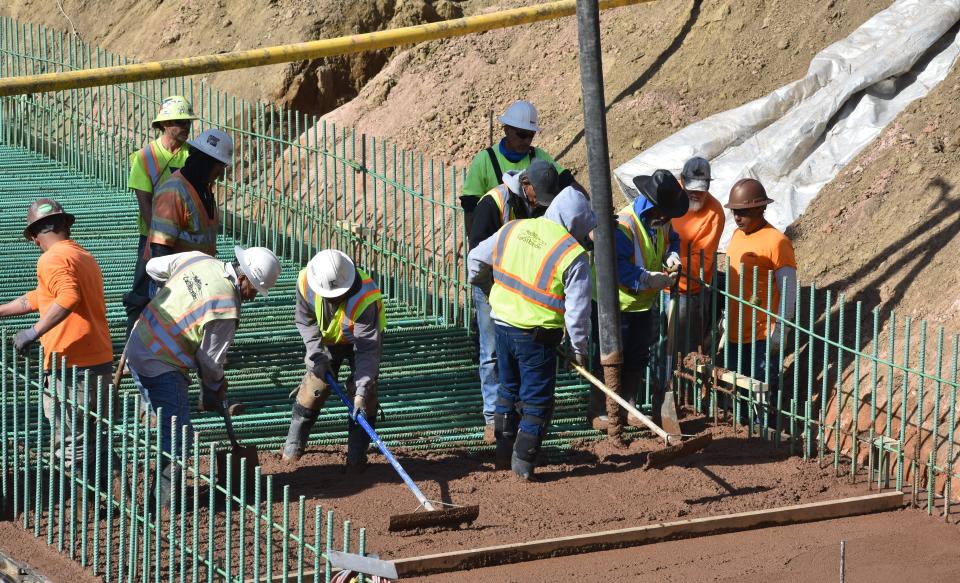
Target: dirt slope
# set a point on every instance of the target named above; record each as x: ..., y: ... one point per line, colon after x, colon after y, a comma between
x: 666, y: 64
x: 151, y: 30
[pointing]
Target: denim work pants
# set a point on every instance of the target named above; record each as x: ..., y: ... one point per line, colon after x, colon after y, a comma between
x: 489, y: 377
x: 527, y: 376
x: 753, y: 363
x: 168, y: 394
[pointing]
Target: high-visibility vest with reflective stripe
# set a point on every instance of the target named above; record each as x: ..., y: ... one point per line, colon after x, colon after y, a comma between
x: 501, y: 196
x: 201, y: 232
x: 647, y: 253
x: 339, y: 329
x: 529, y: 259
x: 200, y: 291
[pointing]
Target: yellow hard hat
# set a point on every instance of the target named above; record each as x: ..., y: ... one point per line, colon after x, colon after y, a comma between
x: 173, y: 108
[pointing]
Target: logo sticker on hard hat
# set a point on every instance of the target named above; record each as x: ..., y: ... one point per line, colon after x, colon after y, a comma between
x: 44, y: 209
x: 213, y: 140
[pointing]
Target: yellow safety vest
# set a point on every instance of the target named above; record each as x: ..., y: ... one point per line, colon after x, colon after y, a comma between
x: 647, y: 253
x: 501, y: 196
x: 171, y: 326
x: 529, y: 260
x: 193, y: 230
x: 340, y: 328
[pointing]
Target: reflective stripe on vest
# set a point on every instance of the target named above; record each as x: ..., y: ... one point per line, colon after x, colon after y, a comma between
x: 199, y: 291
x: 647, y: 254
x: 151, y: 163
x: 201, y: 232
x: 501, y: 196
x: 339, y: 330
x: 529, y: 259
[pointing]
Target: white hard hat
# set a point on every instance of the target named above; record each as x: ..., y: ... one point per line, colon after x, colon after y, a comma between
x: 260, y: 266
x: 330, y: 273
x: 521, y: 115
x: 214, y: 143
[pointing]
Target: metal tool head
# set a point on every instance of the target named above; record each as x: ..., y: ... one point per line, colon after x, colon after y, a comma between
x: 444, y: 517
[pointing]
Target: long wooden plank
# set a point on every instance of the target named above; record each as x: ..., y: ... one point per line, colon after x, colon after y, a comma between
x: 627, y: 537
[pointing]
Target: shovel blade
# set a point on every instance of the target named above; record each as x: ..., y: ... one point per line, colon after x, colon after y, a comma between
x: 237, y: 477
x: 668, y: 412
x: 445, y: 518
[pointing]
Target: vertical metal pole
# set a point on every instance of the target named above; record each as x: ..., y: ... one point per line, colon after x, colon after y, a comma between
x: 598, y: 159
x: 843, y: 560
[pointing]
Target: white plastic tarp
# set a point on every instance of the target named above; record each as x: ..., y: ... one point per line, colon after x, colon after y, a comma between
x: 796, y: 139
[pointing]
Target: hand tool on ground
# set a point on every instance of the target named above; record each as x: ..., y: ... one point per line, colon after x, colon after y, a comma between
x: 238, y: 452
x: 120, y: 366
x: 442, y: 517
x: 674, y: 445
x: 668, y: 407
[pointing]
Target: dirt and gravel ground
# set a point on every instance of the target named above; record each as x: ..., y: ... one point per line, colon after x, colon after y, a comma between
x: 23, y: 547
x: 880, y: 548
x: 597, y: 488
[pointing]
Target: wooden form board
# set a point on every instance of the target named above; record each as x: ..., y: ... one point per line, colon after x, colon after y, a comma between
x: 639, y: 535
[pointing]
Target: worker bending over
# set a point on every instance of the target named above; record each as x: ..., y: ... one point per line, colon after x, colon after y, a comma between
x: 189, y: 325
x: 524, y: 194
x: 757, y: 248
x: 72, y: 328
x: 340, y: 317
x: 537, y: 274
x: 647, y: 262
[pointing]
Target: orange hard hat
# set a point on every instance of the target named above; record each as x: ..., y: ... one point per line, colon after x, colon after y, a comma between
x: 747, y: 193
x: 44, y: 208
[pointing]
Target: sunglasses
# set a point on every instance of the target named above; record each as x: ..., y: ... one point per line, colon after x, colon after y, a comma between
x: 182, y: 123
x: 523, y: 134
x: 741, y: 212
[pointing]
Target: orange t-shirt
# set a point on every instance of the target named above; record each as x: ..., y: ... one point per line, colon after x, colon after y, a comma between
x: 767, y: 250
x: 699, y: 230
x: 69, y: 275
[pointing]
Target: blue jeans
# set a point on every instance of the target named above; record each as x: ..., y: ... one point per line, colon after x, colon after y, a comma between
x: 489, y: 379
x: 168, y: 393
x: 527, y: 375
x: 758, y: 370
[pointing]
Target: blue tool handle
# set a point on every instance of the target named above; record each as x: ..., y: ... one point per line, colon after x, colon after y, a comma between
x: 361, y: 418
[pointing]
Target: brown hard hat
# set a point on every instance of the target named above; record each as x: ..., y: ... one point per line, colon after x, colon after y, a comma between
x: 44, y: 208
x: 747, y: 193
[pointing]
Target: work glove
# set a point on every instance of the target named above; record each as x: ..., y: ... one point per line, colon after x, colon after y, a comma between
x: 23, y: 340
x: 359, y: 405
x: 673, y: 262
x: 210, y: 399
x: 660, y: 280
x: 320, y: 368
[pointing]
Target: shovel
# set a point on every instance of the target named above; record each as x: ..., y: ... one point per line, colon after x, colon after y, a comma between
x: 668, y: 408
x: 674, y: 445
x: 444, y: 517
x: 238, y: 452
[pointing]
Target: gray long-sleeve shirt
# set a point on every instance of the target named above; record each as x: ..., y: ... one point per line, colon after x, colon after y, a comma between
x: 217, y: 334
x: 367, y: 345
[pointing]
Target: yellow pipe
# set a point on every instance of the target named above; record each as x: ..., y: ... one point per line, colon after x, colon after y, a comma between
x: 296, y: 52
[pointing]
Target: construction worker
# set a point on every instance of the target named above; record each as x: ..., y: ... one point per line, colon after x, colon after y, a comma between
x: 699, y: 231
x: 185, y: 216
x: 537, y: 275
x: 340, y: 317
x: 150, y: 167
x: 72, y: 327
x: 189, y: 325
x: 514, y: 152
x: 647, y: 261
x: 757, y: 248
x: 523, y: 194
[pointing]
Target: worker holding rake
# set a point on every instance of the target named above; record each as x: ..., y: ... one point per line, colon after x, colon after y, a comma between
x: 340, y: 317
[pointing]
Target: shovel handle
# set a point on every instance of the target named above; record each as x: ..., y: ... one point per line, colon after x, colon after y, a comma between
x: 361, y: 418
x: 228, y: 422
x: 623, y: 402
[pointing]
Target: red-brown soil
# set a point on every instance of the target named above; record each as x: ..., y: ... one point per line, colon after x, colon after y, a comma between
x: 26, y: 549
x: 880, y: 548
x: 596, y: 488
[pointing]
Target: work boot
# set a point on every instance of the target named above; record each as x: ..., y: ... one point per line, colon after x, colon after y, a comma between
x: 505, y: 433
x: 300, y: 425
x: 163, y: 488
x: 489, y: 434
x: 358, y: 442
x: 523, y: 461
x: 596, y: 410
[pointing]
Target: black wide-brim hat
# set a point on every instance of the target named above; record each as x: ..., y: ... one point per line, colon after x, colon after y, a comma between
x: 664, y: 192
